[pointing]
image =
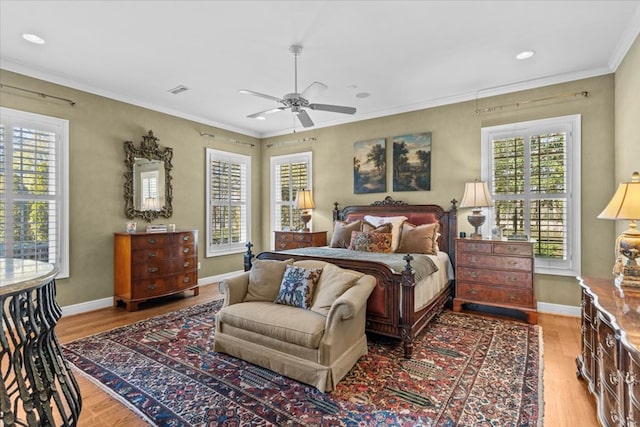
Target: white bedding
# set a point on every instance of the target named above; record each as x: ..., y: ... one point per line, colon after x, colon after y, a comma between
x: 428, y: 287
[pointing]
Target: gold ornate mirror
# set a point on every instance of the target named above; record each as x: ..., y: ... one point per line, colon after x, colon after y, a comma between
x: 148, y: 192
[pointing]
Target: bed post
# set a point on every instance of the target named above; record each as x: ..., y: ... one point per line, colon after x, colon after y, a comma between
x: 453, y: 231
x: 336, y: 211
x: 248, y: 256
x: 407, y: 304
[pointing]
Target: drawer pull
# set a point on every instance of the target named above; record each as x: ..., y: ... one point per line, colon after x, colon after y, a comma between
x: 614, y: 416
x: 511, y: 248
x: 186, y: 280
x: 473, y: 274
x: 153, y: 269
x: 631, y: 423
x: 186, y: 264
x: 152, y: 254
x: 631, y: 379
x: 152, y: 286
x: 613, y: 377
x: 610, y: 341
x: 473, y: 291
x: 152, y: 241
x: 186, y: 238
x: 513, y: 279
x: 473, y: 259
x: 283, y: 245
x: 473, y: 247
x: 185, y: 250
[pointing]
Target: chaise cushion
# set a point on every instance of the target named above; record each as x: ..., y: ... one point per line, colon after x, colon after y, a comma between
x: 333, y: 282
x: 265, y: 277
x: 280, y: 322
x: 298, y: 285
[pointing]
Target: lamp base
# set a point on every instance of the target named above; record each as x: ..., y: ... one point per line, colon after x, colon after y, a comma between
x: 476, y: 219
x: 305, y: 218
x: 628, y: 247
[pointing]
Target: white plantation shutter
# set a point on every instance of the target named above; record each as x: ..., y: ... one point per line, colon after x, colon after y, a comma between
x: 289, y: 174
x: 34, y: 188
x: 228, y: 197
x: 533, y: 171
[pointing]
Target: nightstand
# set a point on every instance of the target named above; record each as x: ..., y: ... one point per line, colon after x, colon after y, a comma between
x: 299, y: 239
x: 495, y: 273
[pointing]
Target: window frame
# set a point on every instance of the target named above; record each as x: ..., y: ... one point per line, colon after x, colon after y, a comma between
x: 11, y: 119
x: 571, y: 124
x: 306, y: 156
x: 213, y: 250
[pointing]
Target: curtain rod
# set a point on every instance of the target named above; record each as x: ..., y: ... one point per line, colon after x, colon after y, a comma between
x: 43, y: 95
x: 582, y: 94
x: 297, y: 141
x: 227, y: 139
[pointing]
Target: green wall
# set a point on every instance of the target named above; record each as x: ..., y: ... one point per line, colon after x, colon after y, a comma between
x: 98, y: 127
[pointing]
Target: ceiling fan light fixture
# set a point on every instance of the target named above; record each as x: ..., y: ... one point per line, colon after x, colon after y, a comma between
x: 525, y: 54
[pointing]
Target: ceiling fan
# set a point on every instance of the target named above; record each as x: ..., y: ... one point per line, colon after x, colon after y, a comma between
x: 297, y: 102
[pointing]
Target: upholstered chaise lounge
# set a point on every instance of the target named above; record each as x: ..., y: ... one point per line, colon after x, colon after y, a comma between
x: 316, y: 344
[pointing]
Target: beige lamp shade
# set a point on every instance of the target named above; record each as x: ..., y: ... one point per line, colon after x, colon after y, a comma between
x: 476, y: 195
x: 304, y: 200
x: 625, y: 203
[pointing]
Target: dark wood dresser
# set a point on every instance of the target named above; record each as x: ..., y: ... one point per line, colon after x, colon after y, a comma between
x: 299, y: 239
x: 150, y: 265
x: 495, y: 273
x: 610, y: 360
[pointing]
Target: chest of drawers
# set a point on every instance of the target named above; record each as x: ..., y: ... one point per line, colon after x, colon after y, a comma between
x: 495, y: 273
x: 150, y: 265
x: 299, y: 239
x: 610, y: 360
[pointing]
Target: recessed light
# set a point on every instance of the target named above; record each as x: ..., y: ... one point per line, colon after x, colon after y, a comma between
x: 525, y: 54
x: 33, y: 38
x: 178, y: 89
x: 363, y: 95
x: 261, y: 118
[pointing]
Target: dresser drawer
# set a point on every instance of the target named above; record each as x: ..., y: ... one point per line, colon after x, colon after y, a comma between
x: 184, y: 250
x: 184, y: 265
x: 148, y: 288
x: 490, y: 261
x: 153, y: 254
x: 519, y: 279
x: 494, y: 294
x: 183, y: 281
x: 513, y: 249
x: 607, y: 336
x: 150, y: 241
x: 184, y: 237
x: 152, y: 269
x: 474, y: 246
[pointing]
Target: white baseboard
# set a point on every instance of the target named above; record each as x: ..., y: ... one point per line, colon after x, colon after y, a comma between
x: 84, y: 307
x: 561, y: 310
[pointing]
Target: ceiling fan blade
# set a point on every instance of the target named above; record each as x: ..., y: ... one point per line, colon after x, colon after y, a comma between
x: 265, y: 112
x: 304, y: 119
x: 261, y: 95
x: 333, y: 108
x: 313, y: 90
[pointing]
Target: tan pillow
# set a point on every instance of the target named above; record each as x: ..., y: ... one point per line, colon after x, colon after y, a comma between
x: 265, y: 277
x: 341, y: 236
x: 367, y: 227
x: 333, y: 282
x: 396, y: 221
x: 419, y: 239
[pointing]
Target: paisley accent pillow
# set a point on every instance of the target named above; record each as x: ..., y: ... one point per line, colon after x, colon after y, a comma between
x: 370, y: 242
x: 298, y: 285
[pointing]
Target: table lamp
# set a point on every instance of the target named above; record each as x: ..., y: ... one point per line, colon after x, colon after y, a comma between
x: 625, y: 204
x: 304, y: 201
x: 476, y: 196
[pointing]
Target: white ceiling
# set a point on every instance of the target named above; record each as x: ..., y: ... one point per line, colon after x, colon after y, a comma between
x: 407, y: 55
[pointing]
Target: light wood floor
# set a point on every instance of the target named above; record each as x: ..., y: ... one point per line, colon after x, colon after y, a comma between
x: 567, y: 403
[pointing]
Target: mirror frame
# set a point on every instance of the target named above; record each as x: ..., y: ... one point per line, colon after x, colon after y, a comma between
x: 148, y: 149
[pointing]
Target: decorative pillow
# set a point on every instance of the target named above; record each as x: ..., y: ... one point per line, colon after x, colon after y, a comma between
x: 334, y: 281
x: 419, y: 239
x: 298, y: 284
x: 265, y: 277
x: 370, y: 242
x: 396, y: 221
x: 341, y: 236
x: 367, y: 227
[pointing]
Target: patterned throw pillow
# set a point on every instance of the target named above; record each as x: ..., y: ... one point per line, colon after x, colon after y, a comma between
x: 396, y: 221
x: 297, y: 286
x: 367, y: 227
x: 370, y: 242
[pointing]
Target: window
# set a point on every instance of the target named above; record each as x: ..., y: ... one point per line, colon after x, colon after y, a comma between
x: 289, y: 174
x: 533, y: 172
x: 228, y: 202
x: 34, y: 185
x: 149, y: 197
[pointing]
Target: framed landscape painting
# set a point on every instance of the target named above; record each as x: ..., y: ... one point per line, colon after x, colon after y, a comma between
x: 412, y: 162
x: 370, y: 166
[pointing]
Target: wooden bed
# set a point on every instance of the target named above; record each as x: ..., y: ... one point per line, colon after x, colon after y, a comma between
x: 394, y: 293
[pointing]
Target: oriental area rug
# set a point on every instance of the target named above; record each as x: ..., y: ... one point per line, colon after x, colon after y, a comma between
x: 466, y: 370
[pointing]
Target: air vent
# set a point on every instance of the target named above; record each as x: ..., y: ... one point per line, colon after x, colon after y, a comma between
x: 178, y: 89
